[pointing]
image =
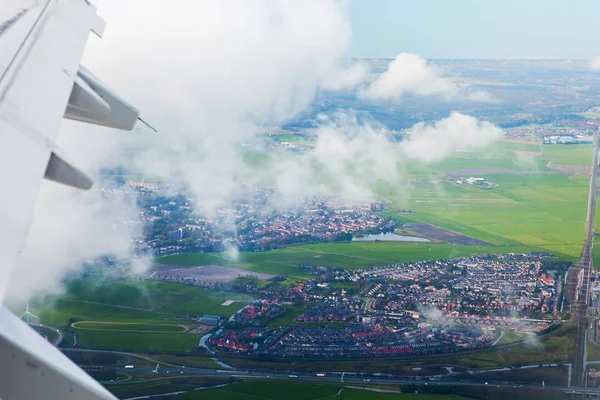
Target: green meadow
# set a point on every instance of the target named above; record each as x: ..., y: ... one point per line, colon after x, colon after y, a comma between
x: 134, y: 315
x: 543, y: 209
x: 128, y: 326
x: 199, y: 388
x: 285, y: 262
x: 137, y: 297
x: 302, y: 391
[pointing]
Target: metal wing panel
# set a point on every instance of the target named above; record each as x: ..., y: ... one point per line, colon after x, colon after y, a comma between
x: 40, y: 52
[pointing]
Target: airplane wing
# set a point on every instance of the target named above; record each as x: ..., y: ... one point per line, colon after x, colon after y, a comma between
x: 41, y: 81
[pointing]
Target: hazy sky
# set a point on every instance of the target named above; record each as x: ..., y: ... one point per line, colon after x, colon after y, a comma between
x: 476, y: 28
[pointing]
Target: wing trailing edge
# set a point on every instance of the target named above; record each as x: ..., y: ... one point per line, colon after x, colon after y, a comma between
x: 59, y: 170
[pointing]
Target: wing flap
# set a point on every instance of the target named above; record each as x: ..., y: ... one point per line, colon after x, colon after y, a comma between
x: 59, y: 170
x: 84, y: 99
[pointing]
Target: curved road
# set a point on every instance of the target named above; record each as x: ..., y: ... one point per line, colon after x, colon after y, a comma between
x: 59, y: 335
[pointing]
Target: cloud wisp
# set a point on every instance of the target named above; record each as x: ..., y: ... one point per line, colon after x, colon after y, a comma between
x: 433, y: 142
x: 70, y: 225
x: 411, y: 74
x: 350, y: 157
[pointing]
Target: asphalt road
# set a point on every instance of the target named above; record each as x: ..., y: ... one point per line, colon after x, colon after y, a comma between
x: 347, y: 378
x: 59, y: 335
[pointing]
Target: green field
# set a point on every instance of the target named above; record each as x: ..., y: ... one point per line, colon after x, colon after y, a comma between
x: 204, y: 388
x: 134, y: 315
x: 149, y: 385
x: 346, y: 255
x: 301, y: 391
x: 290, y: 315
x: 140, y: 342
x: 545, y: 211
x: 510, y: 335
x: 138, y: 301
x: 355, y: 255
x: 542, y: 210
x: 127, y: 326
x: 596, y: 249
x: 187, y: 360
x: 593, y: 354
x: 589, y: 114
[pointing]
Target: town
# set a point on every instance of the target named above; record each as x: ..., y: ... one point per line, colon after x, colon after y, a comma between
x: 172, y: 223
x: 418, y: 308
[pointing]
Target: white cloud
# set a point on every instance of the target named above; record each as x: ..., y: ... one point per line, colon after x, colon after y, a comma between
x: 410, y: 74
x: 209, y: 73
x: 351, y: 157
x: 348, y: 159
x: 347, y: 78
x: 432, y: 142
x: 595, y: 64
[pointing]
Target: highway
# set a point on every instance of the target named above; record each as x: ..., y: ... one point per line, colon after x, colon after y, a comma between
x: 581, y: 307
x: 346, y: 377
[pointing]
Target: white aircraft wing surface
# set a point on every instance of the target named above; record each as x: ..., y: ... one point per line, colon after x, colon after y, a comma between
x: 41, y: 81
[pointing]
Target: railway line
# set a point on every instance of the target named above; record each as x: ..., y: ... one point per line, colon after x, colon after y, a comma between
x: 580, y: 299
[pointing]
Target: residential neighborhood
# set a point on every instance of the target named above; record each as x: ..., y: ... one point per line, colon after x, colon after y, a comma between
x: 418, y: 308
x: 174, y: 223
